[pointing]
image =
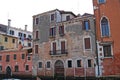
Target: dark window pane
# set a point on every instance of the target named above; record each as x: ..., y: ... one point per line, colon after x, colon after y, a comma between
x: 40, y: 64
x: 78, y: 63
x: 107, y: 50
x: 67, y: 18
x: 48, y: 64
x: 69, y: 63
x: 52, y: 17
x: 89, y: 63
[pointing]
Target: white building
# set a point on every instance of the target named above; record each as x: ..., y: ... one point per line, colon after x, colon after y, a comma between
x: 24, y: 36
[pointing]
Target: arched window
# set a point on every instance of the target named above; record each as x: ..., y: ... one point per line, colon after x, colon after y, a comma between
x: 105, y: 27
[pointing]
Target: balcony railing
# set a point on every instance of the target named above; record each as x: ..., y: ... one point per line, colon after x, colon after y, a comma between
x: 59, y: 52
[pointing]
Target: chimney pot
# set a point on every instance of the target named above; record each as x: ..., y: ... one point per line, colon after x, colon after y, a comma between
x: 25, y: 27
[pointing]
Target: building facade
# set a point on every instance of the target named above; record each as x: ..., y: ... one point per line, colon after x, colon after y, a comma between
x: 16, y: 62
x: 64, y: 44
x: 107, y: 14
x: 7, y: 41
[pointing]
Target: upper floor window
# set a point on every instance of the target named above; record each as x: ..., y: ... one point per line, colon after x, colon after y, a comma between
x: 79, y: 63
x: 20, y: 34
x: 0, y: 58
x: 29, y: 45
x: 48, y: 64
x: 13, y: 40
x: 37, y: 21
x: 29, y: 58
x: 105, y: 27
x: 52, y: 17
x: 11, y: 32
x: 69, y: 63
x: 107, y: 50
x: 29, y: 36
x: 1, y: 47
x: 36, y: 49
x: 87, y: 43
x: 23, y: 56
x: 15, y: 56
x: 7, y: 58
x: 6, y: 39
x: 40, y: 65
x: 68, y: 18
x: 0, y: 68
x: 86, y: 25
x: 61, y: 30
x: 101, y: 1
x: 53, y: 31
x: 62, y: 47
x: 36, y: 35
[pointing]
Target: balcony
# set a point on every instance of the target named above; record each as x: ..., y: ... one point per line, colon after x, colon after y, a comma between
x: 58, y: 52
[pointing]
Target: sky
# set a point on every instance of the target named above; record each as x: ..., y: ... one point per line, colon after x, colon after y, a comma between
x: 21, y: 11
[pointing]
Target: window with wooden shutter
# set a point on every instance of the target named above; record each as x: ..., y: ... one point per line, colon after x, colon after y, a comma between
x: 54, y: 48
x: 36, y: 49
x: 62, y: 47
x: 87, y: 43
x: 36, y: 34
x: 61, y: 30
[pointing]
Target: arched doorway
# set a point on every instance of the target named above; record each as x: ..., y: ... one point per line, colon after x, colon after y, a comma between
x: 8, y: 71
x: 59, y: 68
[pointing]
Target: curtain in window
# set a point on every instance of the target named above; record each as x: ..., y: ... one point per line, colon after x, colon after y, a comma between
x: 105, y: 27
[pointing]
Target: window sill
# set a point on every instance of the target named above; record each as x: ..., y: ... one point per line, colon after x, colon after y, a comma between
x: 108, y: 57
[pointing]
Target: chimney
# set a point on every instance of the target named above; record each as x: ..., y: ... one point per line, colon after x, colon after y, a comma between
x: 9, y: 22
x: 25, y: 27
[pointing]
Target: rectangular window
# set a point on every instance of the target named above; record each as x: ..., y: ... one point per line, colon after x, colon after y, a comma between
x: 107, y: 50
x: 89, y: 63
x: 86, y: 25
x: 15, y: 56
x: 6, y: 39
x: 101, y: 1
x: 61, y: 30
x: 40, y: 64
x: 13, y: 40
x: 1, y: 47
x: 0, y: 58
x: 16, y: 68
x: 29, y: 44
x: 23, y: 56
x: 24, y: 35
x: 69, y: 63
x: 36, y: 49
x: 54, y: 48
x: 11, y: 32
x: 27, y: 67
x: 62, y: 47
x: 7, y: 58
x: 0, y: 68
x: 87, y: 43
x: 52, y: 17
x: 48, y: 64
x: 36, y: 34
x: 78, y: 63
x: 67, y: 18
x: 29, y: 58
x: 37, y: 21
x: 29, y: 36
x: 53, y: 31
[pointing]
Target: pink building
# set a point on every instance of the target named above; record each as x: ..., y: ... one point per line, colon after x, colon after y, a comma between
x: 16, y: 62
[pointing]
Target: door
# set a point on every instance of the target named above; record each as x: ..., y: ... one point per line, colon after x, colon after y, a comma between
x: 59, y: 68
